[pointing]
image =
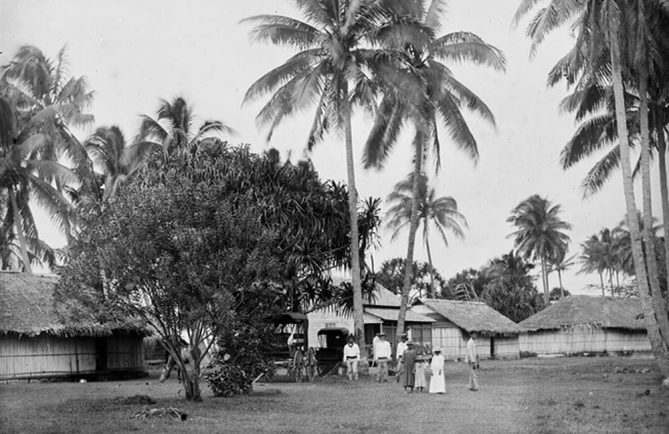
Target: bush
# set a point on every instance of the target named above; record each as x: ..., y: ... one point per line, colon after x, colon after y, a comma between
x: 239, y: 360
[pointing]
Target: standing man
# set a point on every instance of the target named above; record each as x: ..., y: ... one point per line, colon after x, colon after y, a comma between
x: 375, y: 342
x: 401, y: 348
x: 472, y: 359
x: 351, y: 358
x: 382, y: 355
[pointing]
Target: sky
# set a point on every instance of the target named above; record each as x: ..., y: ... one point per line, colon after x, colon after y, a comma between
x: 135, y: 52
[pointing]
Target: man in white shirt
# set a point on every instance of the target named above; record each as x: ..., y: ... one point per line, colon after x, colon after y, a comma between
x: 351, y: 358
x: 472, y: 358
x: 401, y: 348
x: 382, y: 354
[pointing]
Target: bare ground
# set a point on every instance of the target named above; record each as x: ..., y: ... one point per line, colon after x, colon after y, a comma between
x: 589, y: 395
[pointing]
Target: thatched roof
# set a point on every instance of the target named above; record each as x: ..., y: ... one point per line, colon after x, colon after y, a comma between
x: 606, y: 312
x: 384, y: 297
x: 473, y: 316
x: 27, y: 307
x: 392, y: 314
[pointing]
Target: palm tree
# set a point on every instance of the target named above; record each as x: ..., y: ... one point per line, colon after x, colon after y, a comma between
x: 602, y: 253
x: 346, y: 50
x: 23, y: 179
x: 50, y: 102
x: 442, y: 212
x: 174, y: 129
x: 118, y: 160
x: 603, y: 30
x: 561, y: 263
x: 446, y: 97
x: 539, y: 234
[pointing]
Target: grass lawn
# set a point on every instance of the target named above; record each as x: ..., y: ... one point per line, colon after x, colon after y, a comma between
x: 589, y: 395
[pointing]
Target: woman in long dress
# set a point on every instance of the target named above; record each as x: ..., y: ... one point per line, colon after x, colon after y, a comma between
x: 407, y: 377
x: 437, y: 382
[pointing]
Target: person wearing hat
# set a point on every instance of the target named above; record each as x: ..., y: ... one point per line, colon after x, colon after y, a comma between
x: 472, y: 359
x: 409, y: 362
x: 382, y: 353
x: 351, y: 358
x: 437, y: 381
x: 420, y: 382
x: 401, y: 348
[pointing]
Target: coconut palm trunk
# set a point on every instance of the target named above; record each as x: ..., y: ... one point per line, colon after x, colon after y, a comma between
x: 601, y: 282
x: 651, y: 261
x: 429, y: 258
x: 19, y: 231
x: 413, y: 228
x: 358, y: 319
x: 560, y: 280
x: 544, y: 279
x: 664, y: 190
x: 652, y: 327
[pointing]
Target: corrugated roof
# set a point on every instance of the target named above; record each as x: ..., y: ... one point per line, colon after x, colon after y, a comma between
x: 472, y: 316
x: 391, y: 314
x: 27, y: 307
x: 606, y: 312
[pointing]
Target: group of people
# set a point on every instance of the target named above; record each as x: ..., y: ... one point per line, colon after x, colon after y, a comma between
x: 413, y: 366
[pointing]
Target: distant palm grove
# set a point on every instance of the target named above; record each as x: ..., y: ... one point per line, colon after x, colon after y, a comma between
x: 259, y: 234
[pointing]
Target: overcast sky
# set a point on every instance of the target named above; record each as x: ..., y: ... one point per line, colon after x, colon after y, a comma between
x: 134, y: 52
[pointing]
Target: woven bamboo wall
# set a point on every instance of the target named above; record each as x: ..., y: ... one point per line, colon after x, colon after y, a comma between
x: 506, y: 347
x: 583, y: 340
x: 45, y: 356
x: 125, y: 353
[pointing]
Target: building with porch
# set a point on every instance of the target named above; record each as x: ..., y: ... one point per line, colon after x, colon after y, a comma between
x: 455, y: 320
x: 380, y: 315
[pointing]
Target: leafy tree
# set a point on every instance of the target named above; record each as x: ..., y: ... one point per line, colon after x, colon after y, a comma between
x: 466, y: 285
x: 539, y: 233
x: 558, y: 294
x: 442, y: 212
x: 445, y: 99
x: 391, y: 276
x: 209, y: 241
x: 510, y: 290
x: 347, y: 50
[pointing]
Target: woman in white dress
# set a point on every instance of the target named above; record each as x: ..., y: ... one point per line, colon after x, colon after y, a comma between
x: 437, y: 382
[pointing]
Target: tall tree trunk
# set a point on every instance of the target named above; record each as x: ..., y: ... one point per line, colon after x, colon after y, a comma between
x: 358, y: 318
x: 429, y: 258
x: 413, y: 227
x: 19, y: 232
x: 654, y: 336
x: 544, y: 280
x: 651, y: 260
x: 560, y: 280
x: 664, y: 193
x: 601, y: 282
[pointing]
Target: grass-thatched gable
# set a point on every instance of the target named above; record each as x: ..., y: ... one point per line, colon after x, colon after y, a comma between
x: 473, y: 316
x: 583, y: 310
x: 29, y: 308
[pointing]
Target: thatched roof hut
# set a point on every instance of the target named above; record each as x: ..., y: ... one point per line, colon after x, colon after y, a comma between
x: 584, y: 324
x: 39, y: 337
x: 473, y: 316
x: 583, y: 310
x: 456, y: 320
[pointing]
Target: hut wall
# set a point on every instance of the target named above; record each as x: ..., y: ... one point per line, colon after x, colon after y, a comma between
x: 323, y: 318
x: 453, y: 342
x: 506, y: 347
x: 584, y: 339
x: 125, y: 353
x: 45, y: 356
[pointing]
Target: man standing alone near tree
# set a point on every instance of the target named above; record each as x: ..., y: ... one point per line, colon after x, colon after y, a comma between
x: 472, y: 359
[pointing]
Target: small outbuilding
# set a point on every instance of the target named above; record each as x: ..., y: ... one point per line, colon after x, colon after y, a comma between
x: 583, y: 324
x: 37, y: 342
x: 456, y: 320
